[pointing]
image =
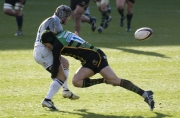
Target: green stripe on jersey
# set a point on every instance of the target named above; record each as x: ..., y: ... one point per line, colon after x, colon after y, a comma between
x: 72, y: 40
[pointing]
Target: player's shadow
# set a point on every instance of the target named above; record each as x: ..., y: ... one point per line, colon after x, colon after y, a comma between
x: 85, y: 114
x: 161, y: 115
x: 143, y: 52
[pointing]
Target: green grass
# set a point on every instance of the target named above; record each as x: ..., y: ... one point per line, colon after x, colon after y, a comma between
x: 153, y: 64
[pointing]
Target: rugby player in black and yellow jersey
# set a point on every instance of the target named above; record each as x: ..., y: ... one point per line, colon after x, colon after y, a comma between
x: 93, y: 60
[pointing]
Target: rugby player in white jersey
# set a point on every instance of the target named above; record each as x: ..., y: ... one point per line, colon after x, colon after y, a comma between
x: 44, y: 57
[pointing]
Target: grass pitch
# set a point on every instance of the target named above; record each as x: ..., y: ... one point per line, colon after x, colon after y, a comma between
x: 153, y: 64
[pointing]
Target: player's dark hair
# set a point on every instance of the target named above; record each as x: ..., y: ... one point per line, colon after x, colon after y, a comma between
x: 48, y: 37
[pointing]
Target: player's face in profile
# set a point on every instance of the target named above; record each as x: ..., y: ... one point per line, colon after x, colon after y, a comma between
x: 68, y: 18
x: 48, y: 45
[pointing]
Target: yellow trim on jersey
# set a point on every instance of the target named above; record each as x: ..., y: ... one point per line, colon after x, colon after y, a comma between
x: 84, y: 49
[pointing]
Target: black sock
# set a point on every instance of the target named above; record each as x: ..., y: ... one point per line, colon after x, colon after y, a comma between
x: 87, y: 82
x: 19, y: 20
x: 130, y: 86
x: 121, y: 12
x: 104, y: 16
x: 66, y: 89
x: 90, y: 20
x: 129, y: 17
x: 47, y: 99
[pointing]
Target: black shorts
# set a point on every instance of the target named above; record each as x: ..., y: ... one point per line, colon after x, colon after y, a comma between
x: 13, y: 2
x: 133, y: 1
x: 97, y: 62
x: 82, y: 3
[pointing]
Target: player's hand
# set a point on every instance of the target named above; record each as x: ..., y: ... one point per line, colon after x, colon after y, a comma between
x: 76, y: 33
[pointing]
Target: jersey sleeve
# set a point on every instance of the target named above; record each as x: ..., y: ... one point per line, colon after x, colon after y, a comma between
x: 56, y: 26
x: 56, y: 60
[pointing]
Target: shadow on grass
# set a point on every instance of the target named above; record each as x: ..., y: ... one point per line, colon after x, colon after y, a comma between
x: 161, y: 115
x: 85, y: 114
x: 148, y: 53
x: 21, y: 43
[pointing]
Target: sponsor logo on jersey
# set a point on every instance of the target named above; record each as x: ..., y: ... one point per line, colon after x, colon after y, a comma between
x: 60, y: 36
x: 68, y: 39
x: 66, y: 34
x: 95, y: 62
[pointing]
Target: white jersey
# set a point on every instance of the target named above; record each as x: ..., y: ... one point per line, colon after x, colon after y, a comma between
x: 52, y: 23
x: 43, y: 55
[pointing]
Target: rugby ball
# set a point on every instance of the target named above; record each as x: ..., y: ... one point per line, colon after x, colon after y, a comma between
x: 143, y: 33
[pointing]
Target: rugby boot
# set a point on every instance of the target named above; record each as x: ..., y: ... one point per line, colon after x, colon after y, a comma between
x: 149, y: 100
x: 49, y: 104
x: 70, y: 95
x: 93, y: 24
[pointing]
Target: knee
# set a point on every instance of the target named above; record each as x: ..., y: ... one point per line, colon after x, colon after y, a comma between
x: 7, y: 8
x: 77, y: 16
x: 12, y: 12
x: 77, y: 82
x: 129, y: 11
x: 103, y: 7
x: 78, y: 13
x: 6, y: 11
x: 120, y: 7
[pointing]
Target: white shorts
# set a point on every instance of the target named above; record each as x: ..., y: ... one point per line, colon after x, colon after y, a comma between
x: 43, y: 56
x: 102, y: 2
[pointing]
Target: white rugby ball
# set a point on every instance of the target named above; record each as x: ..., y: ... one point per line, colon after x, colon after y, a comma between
x: 143, y: 33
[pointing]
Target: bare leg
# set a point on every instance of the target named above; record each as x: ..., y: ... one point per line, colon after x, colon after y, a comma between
x: 120, y: 8
x: 77, y: 13
x: 80, y: 75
